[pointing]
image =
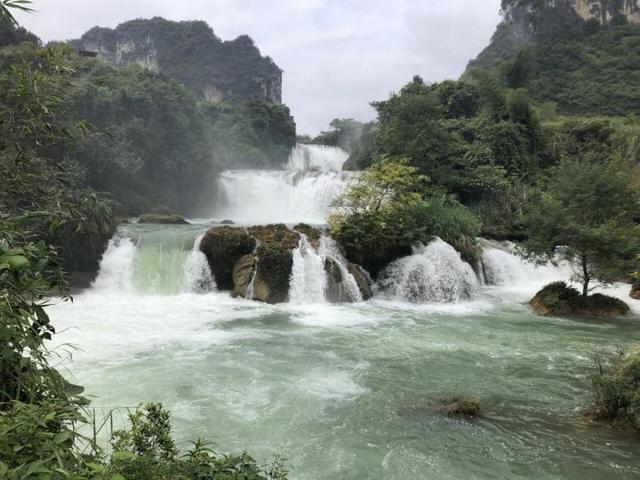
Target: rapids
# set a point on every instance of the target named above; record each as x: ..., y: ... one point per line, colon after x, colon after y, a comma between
x: 344, y: 390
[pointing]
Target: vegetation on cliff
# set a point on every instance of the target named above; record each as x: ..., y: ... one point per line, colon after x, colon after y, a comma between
x: 191, y: 54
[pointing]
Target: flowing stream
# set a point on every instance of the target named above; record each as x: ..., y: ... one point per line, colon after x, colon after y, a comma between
x: 349, y: 390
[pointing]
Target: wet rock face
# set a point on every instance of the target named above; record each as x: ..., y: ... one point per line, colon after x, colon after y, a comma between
x: 243, y: 272
x: 257, y: 263
x: 558, y: 299
x: 635, y: 290
x: 224, y: 247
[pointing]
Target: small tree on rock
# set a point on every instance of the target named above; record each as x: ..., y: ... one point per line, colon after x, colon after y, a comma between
x: 585, y: 216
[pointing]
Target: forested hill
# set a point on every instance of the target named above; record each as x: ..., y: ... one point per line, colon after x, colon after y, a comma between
x: 190, y: 53
x: 582, y: 55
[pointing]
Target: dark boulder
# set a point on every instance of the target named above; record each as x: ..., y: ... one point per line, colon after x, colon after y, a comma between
x: 271, y: 284
x: 362, y: 278
x: 558, y: 299
x: 223, y: 247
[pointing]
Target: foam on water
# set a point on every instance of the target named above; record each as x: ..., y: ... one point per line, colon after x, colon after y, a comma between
x: 435, y: 273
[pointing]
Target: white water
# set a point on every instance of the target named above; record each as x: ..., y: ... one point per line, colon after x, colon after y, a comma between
x: 502, y: 268
x: 308, y: 277
x: 316, y: 157
x: 197, y: 274
x: 329, y: 249
x: 116, y: 266
x: 303, y: 192
x: 435, y: 273
x: 153, y: 268
x: 344, y: 390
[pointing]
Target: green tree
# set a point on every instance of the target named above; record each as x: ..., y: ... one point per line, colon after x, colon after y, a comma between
x: 585, y: 216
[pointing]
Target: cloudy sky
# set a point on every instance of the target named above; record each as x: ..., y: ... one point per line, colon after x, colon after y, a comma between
x: 337, y: 55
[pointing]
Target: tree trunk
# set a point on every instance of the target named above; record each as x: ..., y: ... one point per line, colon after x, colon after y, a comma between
x: 586, y: 277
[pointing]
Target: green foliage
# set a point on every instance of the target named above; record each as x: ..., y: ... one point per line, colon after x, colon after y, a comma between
x: 585, y: 215
x: 252, y: 134
x: 191, y: 54
x: 616, y: 388
x: 388, y: 209
x: 147, y: 452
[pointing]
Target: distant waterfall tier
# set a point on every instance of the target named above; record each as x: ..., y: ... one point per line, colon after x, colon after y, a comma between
x: 301, y: 192
x: 435, y: 273
x: 278, y: 196
x: 317, y: 157
x: 154, y: 264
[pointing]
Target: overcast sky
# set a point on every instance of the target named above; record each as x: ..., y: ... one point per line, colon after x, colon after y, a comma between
x: 337, y: 55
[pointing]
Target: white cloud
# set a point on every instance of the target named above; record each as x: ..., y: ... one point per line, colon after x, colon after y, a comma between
x: 337, y: 55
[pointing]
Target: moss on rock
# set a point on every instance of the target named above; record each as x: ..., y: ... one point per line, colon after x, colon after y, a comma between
x: 461, y: 407
x: 558, y: 299
x: 273, y: 273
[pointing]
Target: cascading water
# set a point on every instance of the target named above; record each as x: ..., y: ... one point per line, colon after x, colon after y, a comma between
x: 500, y: 267
x: 308, y: 277
x: 433, y: 274
x: 198, y: 276
x: 310, y: 280
x: 116, y: 266
x: 329, y: 249
x: 301, y: 192
x: 158, y: 263
x: 316, y: 157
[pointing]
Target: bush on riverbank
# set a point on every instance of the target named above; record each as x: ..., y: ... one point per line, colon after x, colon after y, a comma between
x: 559, y: 299
x: 616, y: 389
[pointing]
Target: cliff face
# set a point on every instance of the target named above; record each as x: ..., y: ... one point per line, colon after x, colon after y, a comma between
x: 527, y: 21
x: 190, y: 53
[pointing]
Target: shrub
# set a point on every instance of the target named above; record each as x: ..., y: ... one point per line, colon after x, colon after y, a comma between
x: 616, y: 388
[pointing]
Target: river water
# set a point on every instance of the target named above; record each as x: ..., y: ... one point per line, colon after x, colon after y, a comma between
x: 350, y: 391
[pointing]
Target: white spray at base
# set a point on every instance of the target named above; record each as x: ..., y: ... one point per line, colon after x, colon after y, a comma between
x: 116, y: 266
x: 310, y: 280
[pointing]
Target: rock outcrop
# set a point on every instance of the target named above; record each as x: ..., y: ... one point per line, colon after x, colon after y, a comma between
x: 190, y: 53
x: 527, y: 21
x: 257, y: 263
x: 224, y: 247
x: 162, y: 219
x: 558, y: 299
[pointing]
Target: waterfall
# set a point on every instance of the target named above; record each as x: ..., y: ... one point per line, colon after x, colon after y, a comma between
x: 158, y: 263
x: 302, y: 192
x: 316, y: 157
x: 198, y: 276
x: 433, y: 274
x: 329, y: 249
x: 500, y: 267
x: 308, y: 277
x: 312, y: 279
x: 116, y: 266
